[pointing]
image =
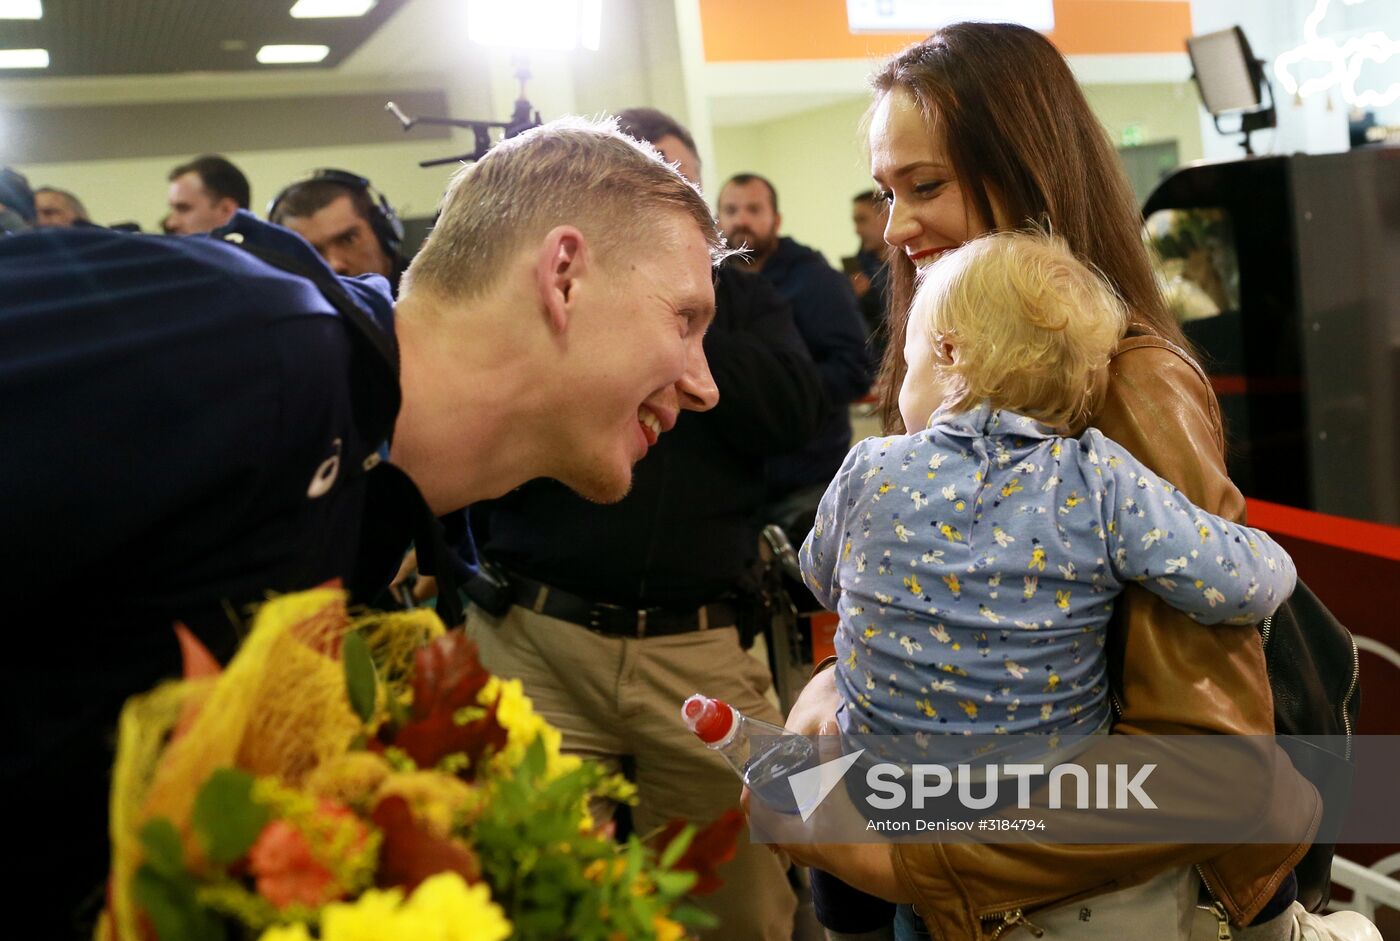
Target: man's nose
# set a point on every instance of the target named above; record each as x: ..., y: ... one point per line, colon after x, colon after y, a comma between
x: 697, y: 387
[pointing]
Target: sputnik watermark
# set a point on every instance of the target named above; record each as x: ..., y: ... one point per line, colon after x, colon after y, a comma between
x: 1115, y: 787
x: 1093, y: 788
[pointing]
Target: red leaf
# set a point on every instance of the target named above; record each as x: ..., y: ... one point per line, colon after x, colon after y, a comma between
x: 447, y: 678
x: 712, y: 846
x: 410, y: 854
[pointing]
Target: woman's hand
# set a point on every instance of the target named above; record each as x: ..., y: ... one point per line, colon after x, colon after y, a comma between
x: 814, y: 713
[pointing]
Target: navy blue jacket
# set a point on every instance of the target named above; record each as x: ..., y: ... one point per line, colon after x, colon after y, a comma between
x: 824, y: 306
x: 181, y: 437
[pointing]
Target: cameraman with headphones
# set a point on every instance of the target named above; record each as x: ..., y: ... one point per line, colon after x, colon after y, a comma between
x: 349, y: 223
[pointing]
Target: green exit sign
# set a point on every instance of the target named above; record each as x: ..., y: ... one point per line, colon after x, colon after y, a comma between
x: 1133, y: 135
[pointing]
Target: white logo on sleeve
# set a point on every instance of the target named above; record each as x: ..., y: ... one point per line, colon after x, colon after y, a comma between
x: 324, y: 478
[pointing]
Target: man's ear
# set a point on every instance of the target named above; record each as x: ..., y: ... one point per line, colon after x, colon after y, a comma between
x: 562, y: 260
x: 227, y: 206
x: 777, y: 222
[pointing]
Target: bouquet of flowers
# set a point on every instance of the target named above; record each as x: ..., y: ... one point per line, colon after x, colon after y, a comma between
x: 366, y: 778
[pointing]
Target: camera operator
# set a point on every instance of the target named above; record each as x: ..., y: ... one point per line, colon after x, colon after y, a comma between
x: 349, y: 223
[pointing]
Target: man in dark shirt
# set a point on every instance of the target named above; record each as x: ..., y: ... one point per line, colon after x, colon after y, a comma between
x: 824, y: 307
x: 189, y: 427
x: 622, y: 611
x: 869, y: 213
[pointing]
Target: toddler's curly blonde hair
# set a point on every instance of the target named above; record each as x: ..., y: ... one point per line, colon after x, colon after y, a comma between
x: 1031, y: 326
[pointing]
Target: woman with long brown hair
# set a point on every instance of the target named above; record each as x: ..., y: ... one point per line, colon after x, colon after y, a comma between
x: 982, y: 127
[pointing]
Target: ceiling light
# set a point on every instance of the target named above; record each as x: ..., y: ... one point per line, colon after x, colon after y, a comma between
x: 21, y: 10
x: 24, y: 58
x: 314, y: 9
x: 283, y: 55
x: 535, y: 24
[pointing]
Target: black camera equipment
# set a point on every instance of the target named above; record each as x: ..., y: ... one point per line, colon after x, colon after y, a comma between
x: 523, y: 118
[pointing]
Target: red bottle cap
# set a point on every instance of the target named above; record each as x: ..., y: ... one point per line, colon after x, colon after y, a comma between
x: 708, y: 718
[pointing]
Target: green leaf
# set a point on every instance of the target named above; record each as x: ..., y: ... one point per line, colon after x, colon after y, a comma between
x: 169, y: 902
x: 361, y: 680
x: 225, y: 816
x: 674, y: 884
x: 692, y: 916
x: 161, y: 841
x: 677, y: 848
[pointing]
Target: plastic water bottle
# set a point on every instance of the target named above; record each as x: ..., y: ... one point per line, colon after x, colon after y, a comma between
x: 761, y: 753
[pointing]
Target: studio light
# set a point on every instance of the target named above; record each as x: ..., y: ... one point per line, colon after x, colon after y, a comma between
x: 536, y: 24
x: 1231, y: 80
x: 286, y: 55
x: 319, y: 9
x: 21, y: 10
x: 24, y: 58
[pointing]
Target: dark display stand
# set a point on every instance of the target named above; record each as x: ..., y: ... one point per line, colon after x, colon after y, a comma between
x: 1307, y: 367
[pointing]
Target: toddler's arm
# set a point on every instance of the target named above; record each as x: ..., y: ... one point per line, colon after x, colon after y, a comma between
x: 1213, y: 570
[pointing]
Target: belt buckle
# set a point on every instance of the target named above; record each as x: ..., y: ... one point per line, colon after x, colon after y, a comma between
x: 641, y: 623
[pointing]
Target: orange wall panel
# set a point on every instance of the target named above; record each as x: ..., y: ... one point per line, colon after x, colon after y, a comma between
x: 774, y: 30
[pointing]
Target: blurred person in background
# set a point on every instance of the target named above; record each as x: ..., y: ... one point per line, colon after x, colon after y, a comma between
x: 204, y: 194
x: 16, y: 201
x: 829, y: 320
x: 349, y: 223
x: 56, y: 207
x: 866, y: 269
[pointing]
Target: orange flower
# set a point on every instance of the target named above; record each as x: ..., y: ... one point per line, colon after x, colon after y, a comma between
x: 287, y: 871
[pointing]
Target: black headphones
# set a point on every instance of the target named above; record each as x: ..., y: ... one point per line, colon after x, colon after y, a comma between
x: 383, y: 220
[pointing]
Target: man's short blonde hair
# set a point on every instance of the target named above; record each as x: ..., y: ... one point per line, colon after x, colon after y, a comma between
x: 1032, y: 326
x: 572, y: 171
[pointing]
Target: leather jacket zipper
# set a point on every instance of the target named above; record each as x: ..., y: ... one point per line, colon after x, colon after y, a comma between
x: 1351, y: 691
x: 1222, y: 918
x: 1222, y: 926
x: 1013, y: 919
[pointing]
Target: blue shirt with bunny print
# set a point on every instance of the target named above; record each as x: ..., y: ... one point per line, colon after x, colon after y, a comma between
x: 974, y: 565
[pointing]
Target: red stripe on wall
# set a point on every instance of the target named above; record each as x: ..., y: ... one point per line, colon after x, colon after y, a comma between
x: 1375, y: 539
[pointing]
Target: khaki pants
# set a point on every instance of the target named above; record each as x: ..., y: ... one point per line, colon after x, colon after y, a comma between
x: 612, y: 697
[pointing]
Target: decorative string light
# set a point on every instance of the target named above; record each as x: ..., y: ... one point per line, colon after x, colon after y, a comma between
x: 1343, y: 62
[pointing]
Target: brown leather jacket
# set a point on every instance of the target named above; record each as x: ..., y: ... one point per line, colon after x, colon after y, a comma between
x: 1171, y: 677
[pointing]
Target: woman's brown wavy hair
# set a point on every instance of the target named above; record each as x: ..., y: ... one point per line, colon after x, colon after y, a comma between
x: 1014, y: 122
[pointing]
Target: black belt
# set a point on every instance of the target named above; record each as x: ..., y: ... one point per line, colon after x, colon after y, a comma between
x: 616, y: 620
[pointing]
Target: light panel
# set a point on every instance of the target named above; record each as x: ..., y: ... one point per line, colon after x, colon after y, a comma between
x: 536, y: 24
x: 24, y: 58
x: 286, y: 55
x: 21, y: 10
x: 319, y: 9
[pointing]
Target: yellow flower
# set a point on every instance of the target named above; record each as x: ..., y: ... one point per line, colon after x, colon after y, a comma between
x: 516, y: 714
x: 668, y: 930
x: 295, y: 932
x: 374, y: 916
x: 444, y: 908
